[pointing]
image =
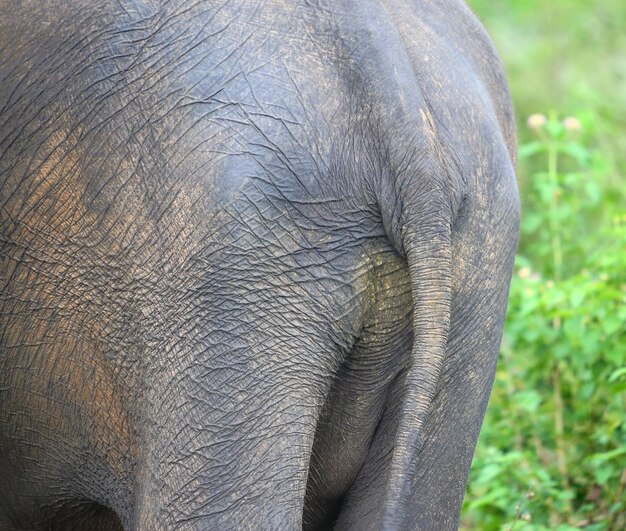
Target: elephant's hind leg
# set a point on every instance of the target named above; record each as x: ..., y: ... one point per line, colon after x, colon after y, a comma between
x: 359, y: 393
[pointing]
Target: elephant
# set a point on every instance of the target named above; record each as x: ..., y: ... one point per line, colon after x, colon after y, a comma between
x: 255, y: 261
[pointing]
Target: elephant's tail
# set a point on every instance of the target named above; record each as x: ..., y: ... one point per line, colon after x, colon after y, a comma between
x: 426, y: 240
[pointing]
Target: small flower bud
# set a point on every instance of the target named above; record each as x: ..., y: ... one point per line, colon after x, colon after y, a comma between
x: 572, y: 124
x: 536, y: 121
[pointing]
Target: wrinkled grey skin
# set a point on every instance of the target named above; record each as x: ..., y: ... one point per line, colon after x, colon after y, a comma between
x: 255, y: 261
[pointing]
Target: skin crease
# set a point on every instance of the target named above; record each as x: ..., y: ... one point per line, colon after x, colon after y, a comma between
x: 255, y: 261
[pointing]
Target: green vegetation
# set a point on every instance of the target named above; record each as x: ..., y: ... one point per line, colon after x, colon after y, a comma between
x: 552, y: 452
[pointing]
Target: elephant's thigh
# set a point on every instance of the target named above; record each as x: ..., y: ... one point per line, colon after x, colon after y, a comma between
x: 359, y: 392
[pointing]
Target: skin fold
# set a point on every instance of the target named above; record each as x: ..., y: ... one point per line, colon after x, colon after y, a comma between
x: 255, y: 261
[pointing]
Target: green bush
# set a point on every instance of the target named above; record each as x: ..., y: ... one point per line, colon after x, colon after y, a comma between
x: 552, y: 453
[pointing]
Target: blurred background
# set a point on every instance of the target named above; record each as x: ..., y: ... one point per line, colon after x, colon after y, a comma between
x: 552, y: 451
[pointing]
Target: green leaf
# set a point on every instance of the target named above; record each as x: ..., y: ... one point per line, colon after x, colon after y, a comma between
x: 532, y: 221
x: 577, y: 296
x: 593, y: 191
x: 602, y: 474
x: 576, y: 151
x: 616, y: 355
x: 528, y: 400
x: 615, y: 375
x: 603, y: 457
x: 612, y: 324
x: 531, y: 148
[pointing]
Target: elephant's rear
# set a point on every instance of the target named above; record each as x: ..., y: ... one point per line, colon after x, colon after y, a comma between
x: 217, y: 219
